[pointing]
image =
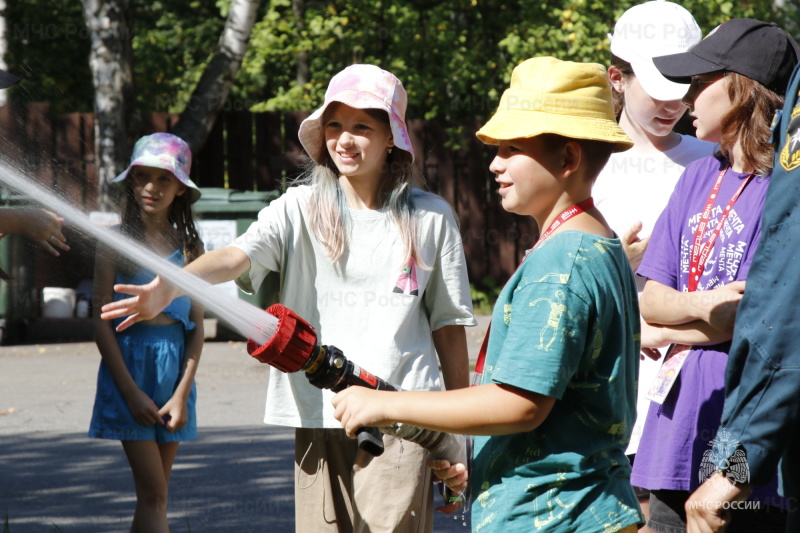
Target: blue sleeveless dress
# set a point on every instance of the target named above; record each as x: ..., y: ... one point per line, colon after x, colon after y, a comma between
x: 154, y: 356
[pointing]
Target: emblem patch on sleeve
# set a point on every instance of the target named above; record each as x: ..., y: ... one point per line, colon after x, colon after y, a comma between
x: 790, y: 153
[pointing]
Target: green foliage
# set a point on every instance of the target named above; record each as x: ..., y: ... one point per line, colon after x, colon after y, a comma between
x: 454, y: 56
x: 173, y: 40
x: 484, y: 295
x: 48, y: 47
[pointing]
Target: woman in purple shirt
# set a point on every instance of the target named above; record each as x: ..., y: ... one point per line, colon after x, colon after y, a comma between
x: 698, y: 258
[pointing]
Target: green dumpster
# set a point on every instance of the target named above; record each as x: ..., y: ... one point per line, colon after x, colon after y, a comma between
x: 224, y: 214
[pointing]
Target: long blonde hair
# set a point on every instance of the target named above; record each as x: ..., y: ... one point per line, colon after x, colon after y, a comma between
x: 328, y: 210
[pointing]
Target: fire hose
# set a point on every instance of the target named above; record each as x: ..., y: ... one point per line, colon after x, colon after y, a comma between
x: 294, y: 347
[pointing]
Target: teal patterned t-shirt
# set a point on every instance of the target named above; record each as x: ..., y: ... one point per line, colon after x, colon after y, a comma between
x: 566, y: 325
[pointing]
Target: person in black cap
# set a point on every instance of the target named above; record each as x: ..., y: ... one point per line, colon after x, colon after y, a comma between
x: 39, y: 225
x: 758, y: 50
x: 762, y: 386
x: 697, y: 263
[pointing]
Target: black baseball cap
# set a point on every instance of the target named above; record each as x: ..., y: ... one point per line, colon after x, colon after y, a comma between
x: 758, y: 50
x: 7, y: 79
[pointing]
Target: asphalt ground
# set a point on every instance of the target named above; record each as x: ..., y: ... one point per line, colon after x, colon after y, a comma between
x: 236, y: 477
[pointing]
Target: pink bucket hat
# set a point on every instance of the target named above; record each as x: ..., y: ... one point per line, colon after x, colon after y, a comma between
x: 167, y: 151
x: 361, y: 87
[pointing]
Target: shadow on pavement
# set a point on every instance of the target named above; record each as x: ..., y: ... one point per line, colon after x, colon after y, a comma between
x: 229, y: 479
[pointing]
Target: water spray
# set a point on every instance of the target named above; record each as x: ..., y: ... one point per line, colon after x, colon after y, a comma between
x: 294, y: 347
x: 242, y: 317
x: 280, y: 337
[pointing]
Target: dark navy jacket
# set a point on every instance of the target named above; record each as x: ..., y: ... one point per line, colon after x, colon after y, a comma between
x: 762, y: 393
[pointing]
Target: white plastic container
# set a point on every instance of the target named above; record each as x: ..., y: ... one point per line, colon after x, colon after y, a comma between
x: 58, y: 302
x: 82, y: 308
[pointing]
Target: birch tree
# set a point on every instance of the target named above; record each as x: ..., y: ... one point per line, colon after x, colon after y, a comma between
x: 212, y: 91
x: 3, y: 46
x: 116, y: 120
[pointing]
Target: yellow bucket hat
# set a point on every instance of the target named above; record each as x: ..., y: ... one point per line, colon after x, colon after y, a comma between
x: 548, y: 95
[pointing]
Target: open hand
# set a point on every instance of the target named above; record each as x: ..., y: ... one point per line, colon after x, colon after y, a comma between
x: 44, y: 228
x: 633, y: 246
x: 149, y: 300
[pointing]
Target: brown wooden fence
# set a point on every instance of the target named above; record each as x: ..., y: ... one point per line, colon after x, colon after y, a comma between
x: 260, y: 151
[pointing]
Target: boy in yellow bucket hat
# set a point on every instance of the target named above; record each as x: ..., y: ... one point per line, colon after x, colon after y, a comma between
x: 555, y: 403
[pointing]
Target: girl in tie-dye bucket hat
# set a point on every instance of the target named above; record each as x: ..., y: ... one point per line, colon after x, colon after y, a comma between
x: 145, y: 385
x: 377, y: 267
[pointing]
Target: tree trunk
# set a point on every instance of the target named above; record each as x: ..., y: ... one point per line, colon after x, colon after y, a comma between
x: 211, y: 92
x: 116, y: 122
x: 299, y: 13
x: 3, y: 47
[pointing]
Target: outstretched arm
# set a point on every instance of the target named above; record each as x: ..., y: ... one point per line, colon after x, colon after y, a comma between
x: 150, y: 299
x: 40, y: 226
x: 490, y: 409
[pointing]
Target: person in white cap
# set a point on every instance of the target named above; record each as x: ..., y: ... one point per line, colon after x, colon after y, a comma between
x: 635, y: 185
x: 40, y: 226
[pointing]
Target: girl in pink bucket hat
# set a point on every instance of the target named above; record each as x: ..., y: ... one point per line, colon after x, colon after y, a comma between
x: 377, y: 267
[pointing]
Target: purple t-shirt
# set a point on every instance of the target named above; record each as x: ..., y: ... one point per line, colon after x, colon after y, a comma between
x: 679, y: 432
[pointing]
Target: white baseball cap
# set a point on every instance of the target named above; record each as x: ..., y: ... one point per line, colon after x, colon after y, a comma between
x: 654, y: 29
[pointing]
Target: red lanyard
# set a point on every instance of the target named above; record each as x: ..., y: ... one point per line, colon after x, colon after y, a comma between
x: 567, y: 214
x: 700, y: 250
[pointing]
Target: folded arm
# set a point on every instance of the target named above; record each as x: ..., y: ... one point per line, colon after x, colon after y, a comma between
x: 664, y: 306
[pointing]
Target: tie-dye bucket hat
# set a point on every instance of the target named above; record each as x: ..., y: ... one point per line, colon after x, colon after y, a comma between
x: 361, y: 87
x: 167, y: 151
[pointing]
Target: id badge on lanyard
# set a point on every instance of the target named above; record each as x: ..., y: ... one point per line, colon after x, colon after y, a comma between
x: 677, y: 353
x: 668, y: 373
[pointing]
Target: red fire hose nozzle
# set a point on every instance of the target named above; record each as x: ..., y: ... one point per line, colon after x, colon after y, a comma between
x: 294, y: 347
x: 293, y: 344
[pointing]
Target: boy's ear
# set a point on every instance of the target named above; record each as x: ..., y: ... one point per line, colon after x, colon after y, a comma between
x: 616, y: 78
x: 571, y: 158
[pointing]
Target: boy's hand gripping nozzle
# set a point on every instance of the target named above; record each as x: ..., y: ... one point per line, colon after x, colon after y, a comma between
x: 295, y: 347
